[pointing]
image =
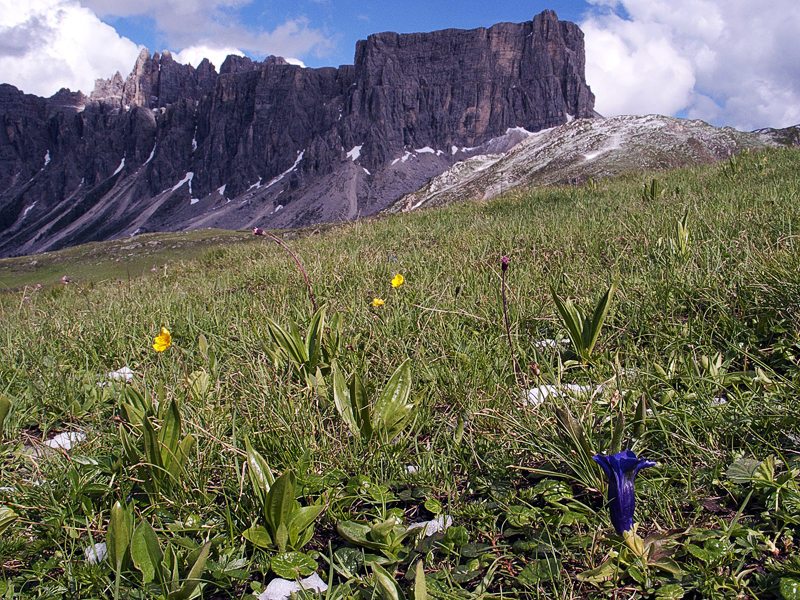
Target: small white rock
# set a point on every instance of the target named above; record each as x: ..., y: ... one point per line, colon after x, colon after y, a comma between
x: 549, y: 343
x: 65, y: 440
x: 437, y: 525
x: 537, y: 395
x: 282, y: 589
x: 123, y: 374
x: 96, y: 553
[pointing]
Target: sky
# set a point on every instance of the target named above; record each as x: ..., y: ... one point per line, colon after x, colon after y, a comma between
x: 727, y: 62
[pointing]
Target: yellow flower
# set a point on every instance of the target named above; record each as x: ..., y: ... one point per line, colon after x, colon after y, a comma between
x: 377, y: 302
x: 163, y: 340
x: 397, y: 281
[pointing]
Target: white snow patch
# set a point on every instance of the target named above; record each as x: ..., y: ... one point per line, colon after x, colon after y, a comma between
x: 152, y: 154
x: 96, y: 554
x: 613, y: 144
x: 453, y: 149
x: 395, y: 161
x: 439, y: 152
x: 365, y: 171
x: 120, y: 167
x: 194, y: 140
x: 406, y: 156
x: 27, y: 210
x: 188, y: 177
x: 282, y: 589
x: 194, y: 200
x: 355, y: 152
x: 66, y: 440
x: 124, y: 374
x: 466, y: 149
x: 287, y: 171
x: 279, y: 207
x: 570, y: 118
x: 520, y: 130
x: 256, y: 185
x: 47, y: 158
x: 425, y: 150
x: 221, y: 190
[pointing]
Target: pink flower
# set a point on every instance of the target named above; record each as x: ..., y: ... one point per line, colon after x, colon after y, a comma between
x: 38, y: 287
x: 65, y: 279
x: 257, y: 231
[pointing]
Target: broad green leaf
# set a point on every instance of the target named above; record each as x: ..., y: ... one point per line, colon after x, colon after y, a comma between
x: 152, y: 451
x: 170, y: 434
x: 7, y: 517
x: 146, y: 552
x: 789, y: 588
x: 385, y: 584
x: 341, y: 399
x: 599, y: 317
x: 259, y: 472
x: 743, y: 470
x: 541, y: 570
x: 304, y: 516
x: 604, y: 572
x: 314, y: 335
x: 280, y: 502
x: 640, y: 418
x: 360, y: 407
x: 5, y: 406
x: 292, y: 565
x: 672, y: 591
x: 118, y: 536
x: 420, y: 585
x: 293, y: 346
x: 358, y: 534
x: 572, y: 321
x: 393, y: 408
x: 258, y: 536
x: 178, y: 462
x: 193, y: 577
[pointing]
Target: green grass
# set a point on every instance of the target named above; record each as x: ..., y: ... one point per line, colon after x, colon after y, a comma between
x: 707, y: 335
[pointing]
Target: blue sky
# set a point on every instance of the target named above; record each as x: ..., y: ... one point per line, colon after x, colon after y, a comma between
x: 727, y: 62
x: 345, y: 22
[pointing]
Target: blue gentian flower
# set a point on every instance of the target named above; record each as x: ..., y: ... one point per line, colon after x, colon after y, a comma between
x: 621, y: 469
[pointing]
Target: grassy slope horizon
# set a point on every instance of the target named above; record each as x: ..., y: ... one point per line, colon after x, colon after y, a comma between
x: 704, y: 332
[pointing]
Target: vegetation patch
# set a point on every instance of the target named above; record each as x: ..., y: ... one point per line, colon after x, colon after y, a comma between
x: 585, y: 392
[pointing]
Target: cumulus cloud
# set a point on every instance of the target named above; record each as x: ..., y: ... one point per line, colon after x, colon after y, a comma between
x: 731, y: 62
x: 49, y: 44
x: 214, y: 24
x: 194, y: 55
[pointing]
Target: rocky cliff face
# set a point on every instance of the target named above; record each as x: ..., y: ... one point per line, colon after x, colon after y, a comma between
x: 274, y: 145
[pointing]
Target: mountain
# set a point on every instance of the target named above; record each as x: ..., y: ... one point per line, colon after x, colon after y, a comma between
x: 274, y: 145
x: 587, y: 149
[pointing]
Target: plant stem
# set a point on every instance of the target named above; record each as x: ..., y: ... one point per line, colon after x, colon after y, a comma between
x: 297, y: 260
x: 508, y: 328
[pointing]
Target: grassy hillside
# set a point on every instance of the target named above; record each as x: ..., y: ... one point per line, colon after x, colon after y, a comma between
x: 696, y: 368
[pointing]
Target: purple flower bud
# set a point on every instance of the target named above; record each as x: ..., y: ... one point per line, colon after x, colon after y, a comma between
x: 621, y: 470
x: 257, y: 231
x: 504, y: 262
x: 65, y: 279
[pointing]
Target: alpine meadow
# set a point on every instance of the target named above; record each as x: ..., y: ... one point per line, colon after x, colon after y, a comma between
x: 461, y: 417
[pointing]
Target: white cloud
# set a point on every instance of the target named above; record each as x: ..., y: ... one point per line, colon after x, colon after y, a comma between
x: 49, y: 44
x: 194, y: 55
x: 214, y: 24
x: 731, y: 62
